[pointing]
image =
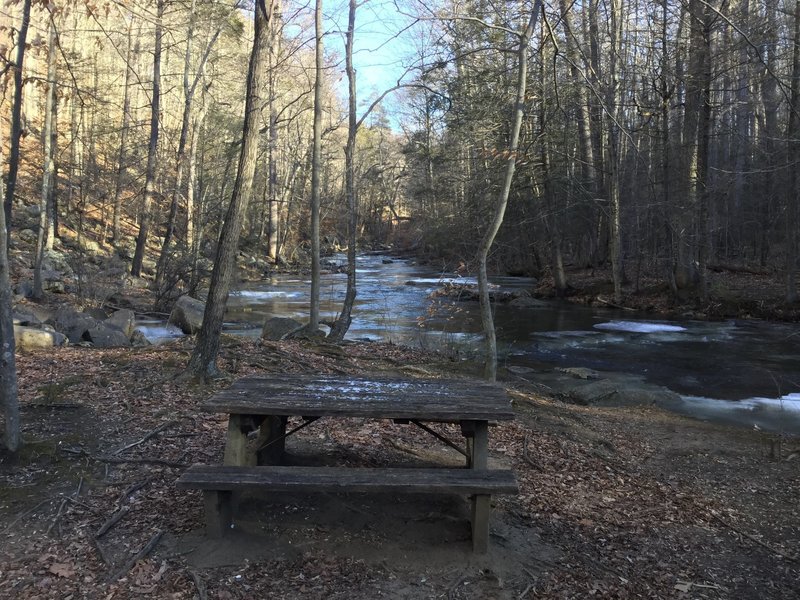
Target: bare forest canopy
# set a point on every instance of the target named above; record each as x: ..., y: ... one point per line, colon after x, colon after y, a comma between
x: 658, y: 138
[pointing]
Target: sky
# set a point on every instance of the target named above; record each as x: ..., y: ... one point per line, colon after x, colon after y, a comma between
x: 383, y: 48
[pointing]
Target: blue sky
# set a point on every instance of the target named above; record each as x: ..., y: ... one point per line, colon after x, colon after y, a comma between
x: 382, y: 49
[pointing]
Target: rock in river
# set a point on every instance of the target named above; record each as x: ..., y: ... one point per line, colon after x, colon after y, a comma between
x: 187, y: 315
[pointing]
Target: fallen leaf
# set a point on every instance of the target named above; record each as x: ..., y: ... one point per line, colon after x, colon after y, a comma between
x: 62, y: 570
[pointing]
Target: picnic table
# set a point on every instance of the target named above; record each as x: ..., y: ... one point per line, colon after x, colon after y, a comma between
x: 264, y: 403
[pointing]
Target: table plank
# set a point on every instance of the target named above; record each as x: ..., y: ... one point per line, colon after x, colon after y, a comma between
x: 346, y: 479
x: 367, y: 397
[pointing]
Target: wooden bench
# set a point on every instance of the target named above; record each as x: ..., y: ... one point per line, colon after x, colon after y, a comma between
x: 219, y: 482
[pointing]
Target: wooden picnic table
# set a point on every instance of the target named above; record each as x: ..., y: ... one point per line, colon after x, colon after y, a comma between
x: 265, y: 402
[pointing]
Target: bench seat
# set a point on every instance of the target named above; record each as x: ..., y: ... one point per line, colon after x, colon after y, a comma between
x: 218, y: 483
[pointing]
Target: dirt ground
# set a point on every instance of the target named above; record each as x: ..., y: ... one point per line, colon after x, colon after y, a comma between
x: 613, y: 503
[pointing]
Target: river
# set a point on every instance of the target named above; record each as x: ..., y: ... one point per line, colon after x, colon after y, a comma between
x: 746, y: 372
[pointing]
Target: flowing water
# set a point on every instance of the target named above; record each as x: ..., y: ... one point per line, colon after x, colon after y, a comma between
x: 746, y: 372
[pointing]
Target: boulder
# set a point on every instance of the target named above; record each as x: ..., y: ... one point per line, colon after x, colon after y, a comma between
x: 55, y: 286
x: 139, y: 339
x: 24, y: 289
x: 72, y: 323
x: 277, y: 328
x: 96, y: 313
x: 605, y: 392
x: 123, y: 320
x: 56, y: 261
x: 88, y: 245
x: 102, y: 336
x: 32, y: 315
x: 27, y: 236
x: 527, y: 302
x: 31, y: 338
x: 580, y: 372
x: 187, y: 315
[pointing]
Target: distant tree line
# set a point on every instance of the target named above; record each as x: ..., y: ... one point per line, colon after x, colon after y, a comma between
x: 659, y: 138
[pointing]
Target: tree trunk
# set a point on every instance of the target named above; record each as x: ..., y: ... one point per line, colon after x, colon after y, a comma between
x: 272, y: 173
x: 490, y: 339
x: 16, y: 114
x: 47, y: 170
x: 316, y: 172
x: 342, y: 324
x: 152, y: 149
x: 189, y: 90
x: 204, y: 356
x: 613, y: 116
x: 194, y: 209
x: 793, y: 156
x: 133, y: 50
x: 9, y: 401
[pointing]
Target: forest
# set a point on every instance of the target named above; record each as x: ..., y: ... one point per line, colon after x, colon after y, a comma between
x: 629, y: 154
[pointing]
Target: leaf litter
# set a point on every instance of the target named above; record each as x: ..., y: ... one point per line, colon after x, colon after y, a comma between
x: 613, y: 503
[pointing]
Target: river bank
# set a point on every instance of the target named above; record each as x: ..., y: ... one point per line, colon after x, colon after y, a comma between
x: 614, y: 502
x: 733, y: 294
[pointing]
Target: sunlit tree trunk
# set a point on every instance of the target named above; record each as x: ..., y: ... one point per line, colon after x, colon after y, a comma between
x: 316, y: 171
x: 189, y: 90
x: 132, y: 50
x: 204, y: 356
x: 342, y: 324
x: 272, y: 174
x: 152, y: 149
x: 487, y: 320
x: 9, y: 401
x: 16, y: 113
x: 45, y: 208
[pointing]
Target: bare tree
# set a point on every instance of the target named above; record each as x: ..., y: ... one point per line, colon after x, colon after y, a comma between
x: 152, y: 148
x: 342, y: 324
x: 316, y: 170
x: 9, y: 401
x: 131, y: 52
x: 487, y: 320
x: 45, y: 205
x: 793, y: 157
x: 16, y: 113
x: 204, y: 356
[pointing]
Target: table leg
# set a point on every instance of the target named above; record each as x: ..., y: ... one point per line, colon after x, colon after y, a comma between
x: 480, y: 445
x: 236, y: 452
x: 219, y: 512
x: 481, y: 506
x: 481, y: 503
x: 271, y: 443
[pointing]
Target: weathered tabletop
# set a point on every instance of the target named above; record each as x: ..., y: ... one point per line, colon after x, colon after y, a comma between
x: 369, y: 397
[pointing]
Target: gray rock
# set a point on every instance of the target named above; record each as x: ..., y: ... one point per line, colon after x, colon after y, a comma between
x: 619, y: 393
x: 277, y: 328
x: 27, y: 236
x: 56, y: 261
x: 102, y: 336
x: 123, y: 320
x: 96, y: 313
x: 24, y: 289
x: 580, y: 372
x: 527, y: 302
x: 187, y: 315
x: 72, y: 323
x: 387, y: 261
x: 55, y: 286
x: 139, y: 339
x: 520, y: 370
x: 88, y: 245
x: 31, y: 338
x: 32, y: 314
